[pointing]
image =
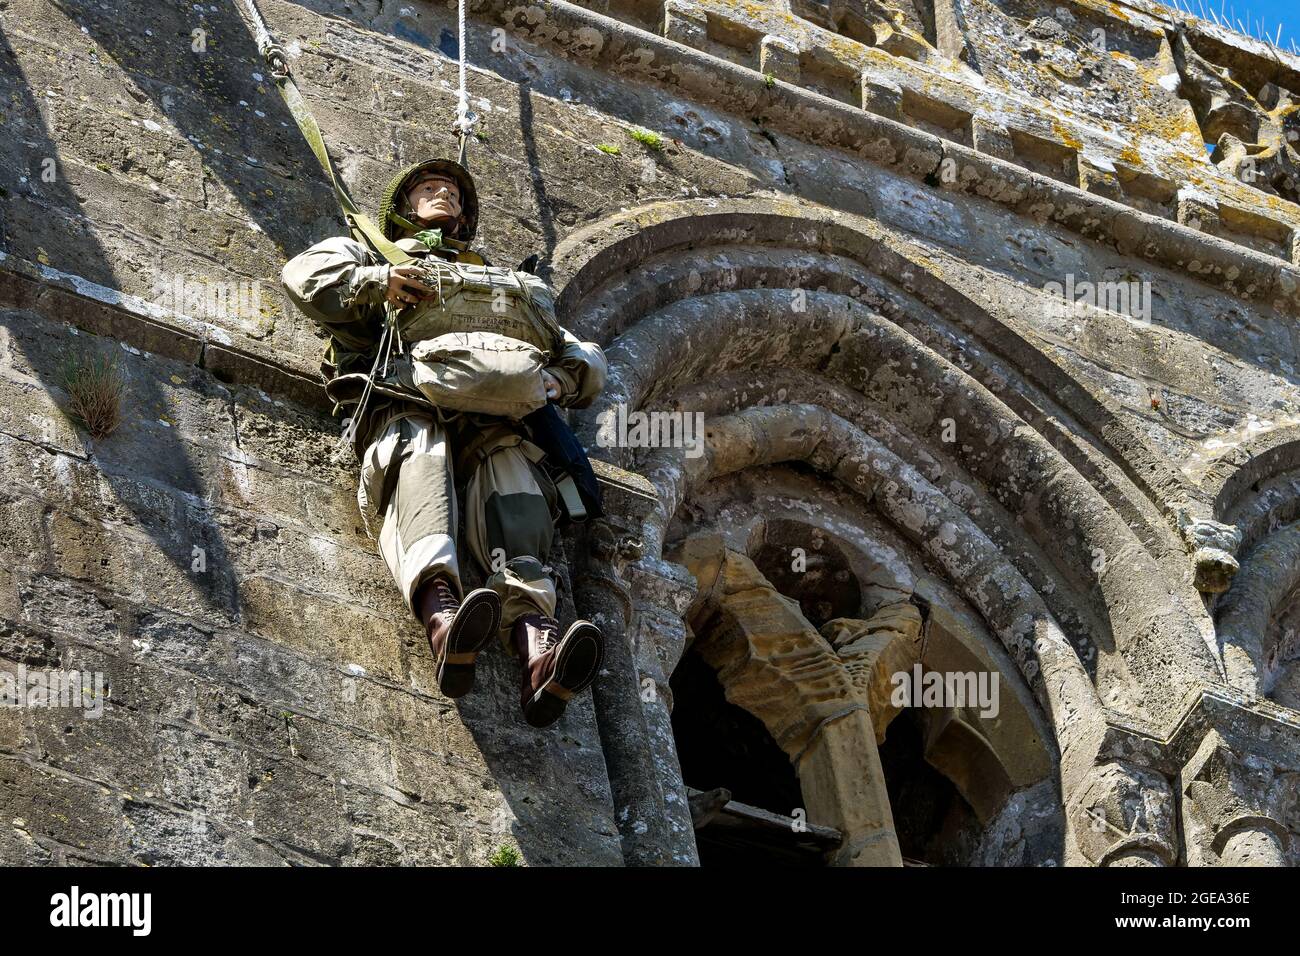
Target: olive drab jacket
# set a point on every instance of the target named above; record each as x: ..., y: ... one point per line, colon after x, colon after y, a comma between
x: 479, y: 345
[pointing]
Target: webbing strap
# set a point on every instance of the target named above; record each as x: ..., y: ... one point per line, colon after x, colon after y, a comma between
x: 363, y: 228
x: 487, y: 440
x: 360, y: 225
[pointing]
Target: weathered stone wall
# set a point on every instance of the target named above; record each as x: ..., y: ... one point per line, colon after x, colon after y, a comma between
x: 270, y: 698
x: 915, y: 183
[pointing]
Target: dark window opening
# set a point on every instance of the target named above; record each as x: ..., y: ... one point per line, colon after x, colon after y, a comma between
x: 808, y: 566
x: 721, y: 745
x: 935, y: 825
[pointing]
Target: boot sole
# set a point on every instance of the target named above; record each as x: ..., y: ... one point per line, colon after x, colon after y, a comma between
x: 476, y: 622
x: 581, y: 652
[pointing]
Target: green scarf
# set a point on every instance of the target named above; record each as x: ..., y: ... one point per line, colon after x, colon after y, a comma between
x: 431, y: 239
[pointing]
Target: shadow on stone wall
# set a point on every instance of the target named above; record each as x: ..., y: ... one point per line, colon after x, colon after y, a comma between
x: 203, y: 93
x: 146, y: 445
x: 549, y: 237
x: 543, y: 774
x: 146, y: 450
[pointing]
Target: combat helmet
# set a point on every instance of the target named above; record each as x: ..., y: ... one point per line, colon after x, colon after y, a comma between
x: 392, y: 206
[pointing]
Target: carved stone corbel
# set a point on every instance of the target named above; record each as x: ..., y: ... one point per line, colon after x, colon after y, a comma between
x: 1213, y: 547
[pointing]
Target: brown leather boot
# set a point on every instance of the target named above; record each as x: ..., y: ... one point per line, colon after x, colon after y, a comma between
x: 554, y: 668
x: 458, y: 631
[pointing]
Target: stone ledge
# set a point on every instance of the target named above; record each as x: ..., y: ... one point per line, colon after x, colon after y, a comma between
x: 92, y: 308
x: 231, y: 358
x: 902, y: 67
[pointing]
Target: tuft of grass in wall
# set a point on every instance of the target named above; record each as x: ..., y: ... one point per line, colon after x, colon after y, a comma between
x: 646, y: 138
x: 95, y: 388
x: 608, y: 148
x: 769, y: 80
x: 505, y: 855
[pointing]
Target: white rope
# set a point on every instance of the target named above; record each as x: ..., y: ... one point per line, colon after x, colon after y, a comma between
x: 462, y: 103
x: 262, y: 35
x: 266, y: 44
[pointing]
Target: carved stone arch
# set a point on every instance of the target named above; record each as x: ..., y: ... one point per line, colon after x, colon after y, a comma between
x: 1259, y: 617
x: 1046, y: 514
x: 1255, y: 486
x: 835, y: 338
x: 629, y: 265
x: 601, y: 297
x: 1010, y: 608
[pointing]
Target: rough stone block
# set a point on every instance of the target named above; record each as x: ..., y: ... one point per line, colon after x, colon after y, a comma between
x: 882, y: 97
x: 117, y: 749
x: 342, y: 633
x: 297, y: 808
x: 1098, y: 176
x: 338, y: 750
x: 162, y: 836
x: 1198, y: 211
x: 685, y: 22
x: 203, y: 774
x: 779, y: 58
x: 42, y: 806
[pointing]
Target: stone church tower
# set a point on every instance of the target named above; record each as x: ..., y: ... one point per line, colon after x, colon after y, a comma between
x: 985, y: 312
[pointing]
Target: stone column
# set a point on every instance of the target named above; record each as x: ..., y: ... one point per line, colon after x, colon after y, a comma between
x: 775, y: 665
x: 1232, y: 805
x: 631, y: 699
x: 843, y: 784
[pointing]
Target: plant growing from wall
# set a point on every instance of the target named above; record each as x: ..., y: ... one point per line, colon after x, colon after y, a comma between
x: 647, y: 138
x: 505, y: 855
x: 95, y: 387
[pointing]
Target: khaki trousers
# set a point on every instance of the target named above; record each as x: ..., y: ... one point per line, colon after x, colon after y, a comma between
x: 407, y: 477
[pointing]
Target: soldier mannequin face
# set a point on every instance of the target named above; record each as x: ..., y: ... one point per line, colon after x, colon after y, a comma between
x: 434, y: 201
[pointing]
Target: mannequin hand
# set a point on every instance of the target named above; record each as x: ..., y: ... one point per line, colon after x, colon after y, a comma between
x: 552, y: 385
x: 403, y: 288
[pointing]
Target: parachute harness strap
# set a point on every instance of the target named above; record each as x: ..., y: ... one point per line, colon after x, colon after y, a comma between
x: 361, y: 226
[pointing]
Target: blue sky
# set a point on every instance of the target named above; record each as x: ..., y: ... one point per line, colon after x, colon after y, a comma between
x: 1272, y: 12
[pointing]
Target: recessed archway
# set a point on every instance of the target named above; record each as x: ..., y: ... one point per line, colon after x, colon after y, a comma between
x: 813, y: 346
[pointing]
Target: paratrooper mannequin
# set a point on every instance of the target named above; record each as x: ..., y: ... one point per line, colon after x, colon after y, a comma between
x: 476, y: 348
